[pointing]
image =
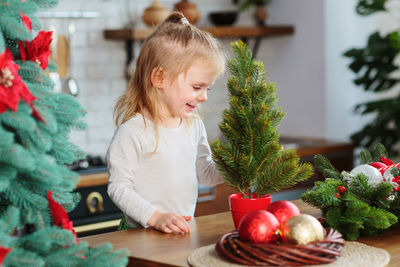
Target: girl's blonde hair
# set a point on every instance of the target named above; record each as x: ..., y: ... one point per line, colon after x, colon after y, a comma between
x: 173, y: 46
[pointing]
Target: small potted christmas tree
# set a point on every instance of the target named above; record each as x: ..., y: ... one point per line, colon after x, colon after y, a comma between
x: 250, y: 157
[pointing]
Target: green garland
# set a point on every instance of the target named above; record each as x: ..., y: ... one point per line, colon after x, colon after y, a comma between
x: 355, y: 207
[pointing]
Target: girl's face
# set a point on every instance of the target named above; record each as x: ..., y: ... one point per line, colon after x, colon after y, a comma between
x: 182, y: 95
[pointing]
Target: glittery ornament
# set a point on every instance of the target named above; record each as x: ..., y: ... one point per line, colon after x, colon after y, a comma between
x: 374, y: 176
x: 303, y: 229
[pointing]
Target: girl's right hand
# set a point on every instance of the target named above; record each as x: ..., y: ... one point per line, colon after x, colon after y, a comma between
x: 169, y: 222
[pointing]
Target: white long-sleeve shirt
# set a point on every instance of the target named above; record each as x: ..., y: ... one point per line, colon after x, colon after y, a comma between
x: 142, y: 181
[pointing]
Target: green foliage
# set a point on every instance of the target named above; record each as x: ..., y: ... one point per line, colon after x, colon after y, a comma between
x: 367, y: 7
x: 375, y: 67
x: 374, y: 63
x: 362, y: 209
x: 367, y: 157
x: 324, y: 166
x: 55, y: 247
x: 249, y: 3
x: 250, y: 156
x: 33, y: 155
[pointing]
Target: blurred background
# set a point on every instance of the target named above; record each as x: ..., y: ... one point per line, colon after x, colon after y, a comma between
x: 314, y: 82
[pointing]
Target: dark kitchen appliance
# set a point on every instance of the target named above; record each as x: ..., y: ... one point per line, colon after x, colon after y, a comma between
x: 95, y: 213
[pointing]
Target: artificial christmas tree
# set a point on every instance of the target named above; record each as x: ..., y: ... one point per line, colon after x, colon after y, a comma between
x: 35, y: 185
x: 250, y: 157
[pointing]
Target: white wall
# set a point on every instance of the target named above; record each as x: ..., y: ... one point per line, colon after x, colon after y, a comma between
x: 296, y: 64
x: 345, y: 29
x: 314, y: 84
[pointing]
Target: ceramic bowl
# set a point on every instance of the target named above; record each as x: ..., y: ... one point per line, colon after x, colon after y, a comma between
x: 221, y: 18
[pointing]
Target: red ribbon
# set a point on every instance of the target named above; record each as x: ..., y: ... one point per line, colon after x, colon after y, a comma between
x: 386, y: 164
x: 383, y: 169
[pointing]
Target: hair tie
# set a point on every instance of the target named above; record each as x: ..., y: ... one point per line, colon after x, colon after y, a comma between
x: 184, y: 21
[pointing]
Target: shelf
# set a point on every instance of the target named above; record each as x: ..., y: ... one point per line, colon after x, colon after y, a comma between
x: 242, y: 32
x: 218, y: 32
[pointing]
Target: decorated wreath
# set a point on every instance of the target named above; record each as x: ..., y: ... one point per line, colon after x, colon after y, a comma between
x: 362, y: 202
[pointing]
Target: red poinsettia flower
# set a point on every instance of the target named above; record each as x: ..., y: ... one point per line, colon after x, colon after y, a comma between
x: 12, y: 87
x: 59, y: 214
x: 3, y: 253
x: 38, y: 50
x: 27, y: 21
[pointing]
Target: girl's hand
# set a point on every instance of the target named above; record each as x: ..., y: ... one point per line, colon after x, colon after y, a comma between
x: 169, y: 222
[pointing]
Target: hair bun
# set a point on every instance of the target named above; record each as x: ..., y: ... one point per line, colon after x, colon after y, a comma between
x: 177, y: 17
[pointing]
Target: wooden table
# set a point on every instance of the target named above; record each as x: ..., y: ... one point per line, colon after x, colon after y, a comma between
x: 148, y: 247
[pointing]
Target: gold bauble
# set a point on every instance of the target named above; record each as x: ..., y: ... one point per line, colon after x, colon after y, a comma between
x: 303, y: 229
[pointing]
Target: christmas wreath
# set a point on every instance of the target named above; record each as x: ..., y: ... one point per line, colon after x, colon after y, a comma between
x: 362, y: 202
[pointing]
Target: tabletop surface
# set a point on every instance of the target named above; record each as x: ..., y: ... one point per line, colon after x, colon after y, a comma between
x: 148, y: 247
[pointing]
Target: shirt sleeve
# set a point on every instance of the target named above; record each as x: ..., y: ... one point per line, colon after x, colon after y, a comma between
x: 122, y: 163
x: 205, y: 167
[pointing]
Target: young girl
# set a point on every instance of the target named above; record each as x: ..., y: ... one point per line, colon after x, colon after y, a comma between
x: 160, y: 152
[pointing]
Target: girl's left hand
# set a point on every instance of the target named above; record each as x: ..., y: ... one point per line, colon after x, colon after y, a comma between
x: 169, y: 222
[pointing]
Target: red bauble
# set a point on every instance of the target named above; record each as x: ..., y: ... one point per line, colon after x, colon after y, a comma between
x: 259, y: 226
x: 283, y: 210
x: 378, y: 165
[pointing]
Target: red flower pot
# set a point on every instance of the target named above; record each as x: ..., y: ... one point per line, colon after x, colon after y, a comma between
x: 241, y: 206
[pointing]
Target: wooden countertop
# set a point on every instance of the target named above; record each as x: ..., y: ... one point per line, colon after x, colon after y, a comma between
x: 148, y: 247
x: 94, y: 179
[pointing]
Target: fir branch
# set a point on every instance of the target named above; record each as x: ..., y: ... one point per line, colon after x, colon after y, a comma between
x: 361, y: 187
x: 23, y: 197
x: 22, y: 257
x: 380, y: 194
x: 324, y: 166
x: 233, y: 84
x: 260, y: 113
x: 365, y: 157
x: 272, y: 149
x: 235, y: 122
x: 276, y: 116
x: 395, y: 205
x: 17, y: 157
x: 9, y: 220
x: 44, y: 240
x: 333, y: 218
x: 379, y: 151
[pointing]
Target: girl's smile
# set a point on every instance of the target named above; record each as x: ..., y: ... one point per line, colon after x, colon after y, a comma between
x: 182, y: 95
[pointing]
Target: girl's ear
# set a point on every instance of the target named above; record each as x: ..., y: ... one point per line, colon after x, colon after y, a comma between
x: 157, y: 77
